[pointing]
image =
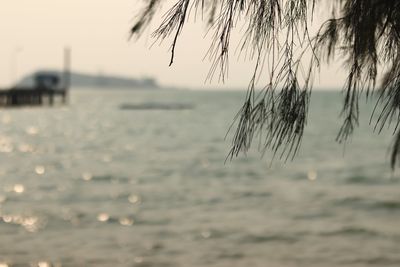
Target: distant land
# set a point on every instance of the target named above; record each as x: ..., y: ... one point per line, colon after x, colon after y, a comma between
x: 99, y: 81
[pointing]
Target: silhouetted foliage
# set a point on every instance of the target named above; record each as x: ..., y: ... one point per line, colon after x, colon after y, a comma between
x: 366, y: 33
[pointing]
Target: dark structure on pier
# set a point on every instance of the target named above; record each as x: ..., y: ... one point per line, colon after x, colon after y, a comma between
x: 46, y: 90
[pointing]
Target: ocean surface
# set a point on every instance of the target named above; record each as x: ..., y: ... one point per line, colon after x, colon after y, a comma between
x: 137, y: 178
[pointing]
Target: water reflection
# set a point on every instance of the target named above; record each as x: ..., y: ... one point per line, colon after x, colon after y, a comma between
x: 43, y: 264
x: 7, y: 218
x: 87, y: 176
x: 312, y: 175
x: 70, y: 216
x: 6, y: 145
x: 25, y: 148
x: 126, y: 221
x: 134, y: 199
x: 206, y: 234
x: 32, y: 130
x: 107, y: 159
x: 19, y: 188
x: 6, y: 119
x: 166, y: 196
x: 30, y: 223
x: 103, y: 217
x: 40, y: 170
x: 138, y: 259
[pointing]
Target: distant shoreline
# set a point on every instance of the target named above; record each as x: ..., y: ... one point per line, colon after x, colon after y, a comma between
x: 98, y: 81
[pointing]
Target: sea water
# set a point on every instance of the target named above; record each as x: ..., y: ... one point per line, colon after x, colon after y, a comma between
x: 94, y: 184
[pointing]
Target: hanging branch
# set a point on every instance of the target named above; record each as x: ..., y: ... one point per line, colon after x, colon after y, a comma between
x: 365, y: 33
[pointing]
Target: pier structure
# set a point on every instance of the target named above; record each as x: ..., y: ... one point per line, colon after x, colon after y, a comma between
x: 48, y: 89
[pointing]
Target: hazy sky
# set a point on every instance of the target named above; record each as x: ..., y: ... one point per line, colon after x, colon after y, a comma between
x: 33, y: 35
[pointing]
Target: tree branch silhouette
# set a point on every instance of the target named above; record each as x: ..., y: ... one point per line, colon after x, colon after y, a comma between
x: 365, y: 33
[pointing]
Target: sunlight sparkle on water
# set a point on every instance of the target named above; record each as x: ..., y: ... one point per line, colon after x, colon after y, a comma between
x: 134, y: 199
x: 19, y: 188
x: 129, y: 147
x: 43, y: 264
x: 40, y: 170
x: 6, y: 145
x: 103, y: 217
x: 6, y: 148
x: 206, y: 234
x: 32, y: 130
x: 7, y: 219
x: 312, y: 175
x: 87, y: 176
x: 126, y: 221
x: 31, y: 224
x: 138, y: 259
x: 25, y: 148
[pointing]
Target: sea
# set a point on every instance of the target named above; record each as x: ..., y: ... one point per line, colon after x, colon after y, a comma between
x: 140, y: 178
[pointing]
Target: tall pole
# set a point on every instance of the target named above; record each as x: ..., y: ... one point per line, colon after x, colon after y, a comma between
x: 67, y: 67
x: 67, y: 72
x: 14, y: 65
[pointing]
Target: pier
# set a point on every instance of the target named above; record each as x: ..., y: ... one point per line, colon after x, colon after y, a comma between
x: 20, y: 96
x: 48, y: 89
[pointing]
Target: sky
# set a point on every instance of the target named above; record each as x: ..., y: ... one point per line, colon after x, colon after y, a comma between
x: 34, y: 34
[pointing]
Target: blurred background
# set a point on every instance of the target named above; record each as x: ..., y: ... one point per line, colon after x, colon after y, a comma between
x: 131, y: 171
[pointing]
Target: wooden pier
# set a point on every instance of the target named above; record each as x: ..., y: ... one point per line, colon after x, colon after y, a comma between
x: 48, y: 89
x: 37, y: 96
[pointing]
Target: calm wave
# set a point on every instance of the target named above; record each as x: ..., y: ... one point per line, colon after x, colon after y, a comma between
x: 115, y: 180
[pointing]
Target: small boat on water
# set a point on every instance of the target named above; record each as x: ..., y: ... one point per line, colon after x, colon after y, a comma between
x: 156, y: 106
